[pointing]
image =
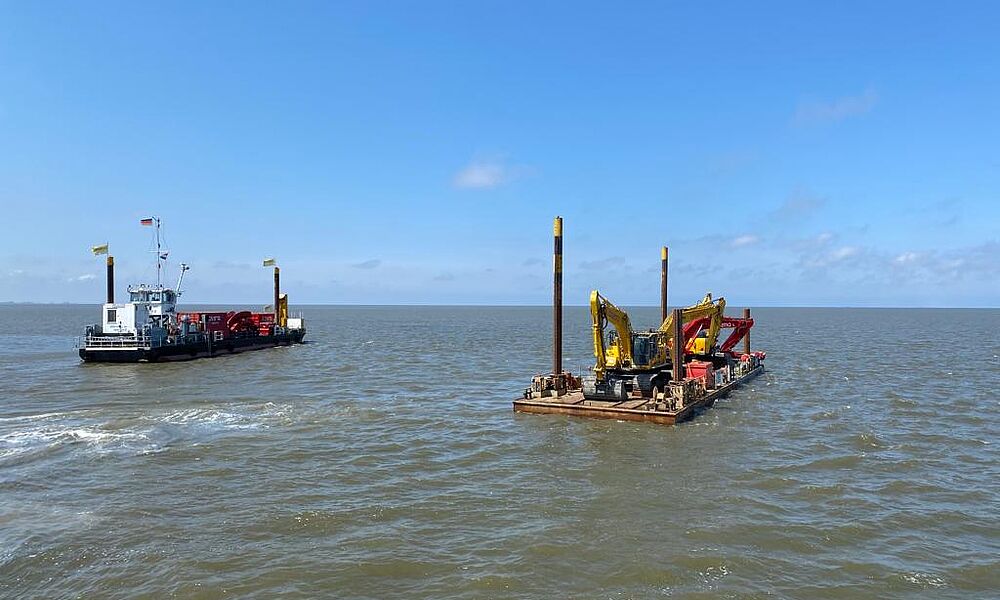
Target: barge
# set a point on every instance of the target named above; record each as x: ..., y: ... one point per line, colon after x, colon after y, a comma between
x: 662, y: 410
x: 664, y: 375
x: 148, y: 328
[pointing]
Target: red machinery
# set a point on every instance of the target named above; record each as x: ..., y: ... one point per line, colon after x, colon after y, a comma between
x: 240, y: 321
x: 740, y: 327
x: 228, y: 323
x: 264, y: 322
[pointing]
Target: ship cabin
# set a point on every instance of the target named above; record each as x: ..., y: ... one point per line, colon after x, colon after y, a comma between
x: 150, y: 312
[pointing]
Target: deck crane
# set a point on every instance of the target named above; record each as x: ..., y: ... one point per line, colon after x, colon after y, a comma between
x: 629, y: 360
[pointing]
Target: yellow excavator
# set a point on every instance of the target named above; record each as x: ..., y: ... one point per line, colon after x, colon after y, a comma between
x: 628, y: 360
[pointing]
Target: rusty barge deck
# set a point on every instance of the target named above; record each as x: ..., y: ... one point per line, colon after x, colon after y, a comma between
x: 634, y: 409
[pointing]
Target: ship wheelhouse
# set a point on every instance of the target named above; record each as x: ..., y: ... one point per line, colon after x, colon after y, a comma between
x: 150, y: 312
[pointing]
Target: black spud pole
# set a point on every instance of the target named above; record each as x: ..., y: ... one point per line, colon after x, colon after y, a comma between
x: 111, y: 279
x: 557, y: 297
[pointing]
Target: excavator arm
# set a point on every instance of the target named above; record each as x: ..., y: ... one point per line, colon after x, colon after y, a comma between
x: 706, y: 313
x: 603, y: 311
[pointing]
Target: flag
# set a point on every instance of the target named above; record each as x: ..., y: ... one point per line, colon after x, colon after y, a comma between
x: 270, y: 262
x: 103, y: 249
x: 147, y: 221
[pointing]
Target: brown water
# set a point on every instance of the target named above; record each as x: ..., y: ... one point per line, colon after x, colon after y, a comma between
x: 382, y: 460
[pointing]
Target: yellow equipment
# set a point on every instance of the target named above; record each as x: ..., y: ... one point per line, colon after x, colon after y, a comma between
x: 283, y: 310
x: 625, y: 352
x: 714, y: 311
x: 619, y: 350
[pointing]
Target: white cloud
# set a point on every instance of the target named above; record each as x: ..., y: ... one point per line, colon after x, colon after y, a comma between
x: 906, y: 257
x: 828, y: 111
x: 819, y: 258
x: 745, y: 240
x: 85, y: 277
x: 481, y: 174
x: 843, y: 252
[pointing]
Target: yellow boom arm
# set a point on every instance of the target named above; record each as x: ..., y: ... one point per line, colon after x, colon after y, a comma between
x: 705, y: 308
x: 603, y: 312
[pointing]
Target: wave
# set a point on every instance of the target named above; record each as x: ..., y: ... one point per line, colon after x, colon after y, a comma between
x: 260, y: 417
x: 45, y: 439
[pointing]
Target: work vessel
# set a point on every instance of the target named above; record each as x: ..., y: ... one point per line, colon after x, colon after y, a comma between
x: 662, y: 375
x: 148, y: 328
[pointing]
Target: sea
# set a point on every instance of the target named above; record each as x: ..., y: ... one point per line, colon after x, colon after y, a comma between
x: 382, y: 460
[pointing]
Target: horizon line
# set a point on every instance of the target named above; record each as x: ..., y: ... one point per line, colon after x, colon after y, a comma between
x: 486, y: 305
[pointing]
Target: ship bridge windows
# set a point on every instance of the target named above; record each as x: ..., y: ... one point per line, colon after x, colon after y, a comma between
x: 144, y: 295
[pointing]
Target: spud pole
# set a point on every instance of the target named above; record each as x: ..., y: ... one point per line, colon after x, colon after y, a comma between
x: 111, y: 279
x: 746, y: 338
x: 557, y: 297
x: 277, y: 279
x: 664, y: 313
x: 677, y: 352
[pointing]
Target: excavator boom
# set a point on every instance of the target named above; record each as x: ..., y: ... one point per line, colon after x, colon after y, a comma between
x: 603, y: 311
x: 694, y: 317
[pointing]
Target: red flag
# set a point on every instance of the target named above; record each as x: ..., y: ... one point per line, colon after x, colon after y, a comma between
x: 147, y: 221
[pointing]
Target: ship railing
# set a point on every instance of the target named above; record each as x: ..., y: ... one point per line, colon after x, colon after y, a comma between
x: 141, y: 341
x: 120, y: 341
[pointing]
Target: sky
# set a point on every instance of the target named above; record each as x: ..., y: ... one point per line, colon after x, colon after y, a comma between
x: 788, y: 153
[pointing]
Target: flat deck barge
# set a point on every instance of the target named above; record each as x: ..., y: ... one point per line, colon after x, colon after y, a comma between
x: 664, y: 375
x: 645, y: 410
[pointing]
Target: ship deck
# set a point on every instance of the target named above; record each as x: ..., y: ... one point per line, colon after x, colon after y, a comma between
x: 633, y: 409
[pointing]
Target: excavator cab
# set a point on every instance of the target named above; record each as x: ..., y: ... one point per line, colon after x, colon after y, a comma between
x: 645, y: 346
x: 644, y: 349
x: 614, y: 353
x: 699, y: 345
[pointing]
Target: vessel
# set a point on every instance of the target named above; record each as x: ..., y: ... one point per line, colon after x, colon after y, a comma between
x: 148, y: 328
x: 663, y: 375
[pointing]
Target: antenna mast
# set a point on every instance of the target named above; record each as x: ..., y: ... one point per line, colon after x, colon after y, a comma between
x: 157, y: 219
x: 184, y: 268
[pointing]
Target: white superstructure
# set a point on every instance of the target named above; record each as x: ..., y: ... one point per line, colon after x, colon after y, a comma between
x: 151, y: 311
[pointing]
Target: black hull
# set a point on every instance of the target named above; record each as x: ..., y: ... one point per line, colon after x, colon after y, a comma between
x: 204, y: 349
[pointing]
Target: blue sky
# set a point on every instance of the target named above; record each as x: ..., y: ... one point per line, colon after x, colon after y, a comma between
x: 393, y: 153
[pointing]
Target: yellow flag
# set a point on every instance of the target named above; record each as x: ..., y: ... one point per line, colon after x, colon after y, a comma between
x: 99, y: 249
x: 269, y: 262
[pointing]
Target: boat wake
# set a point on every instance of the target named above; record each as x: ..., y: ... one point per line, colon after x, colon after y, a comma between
x: 229, y: 419
x: 41, y: 440
x: 31, y: 437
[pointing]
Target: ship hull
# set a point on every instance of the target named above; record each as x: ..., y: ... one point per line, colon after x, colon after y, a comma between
x: 190, y: 351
